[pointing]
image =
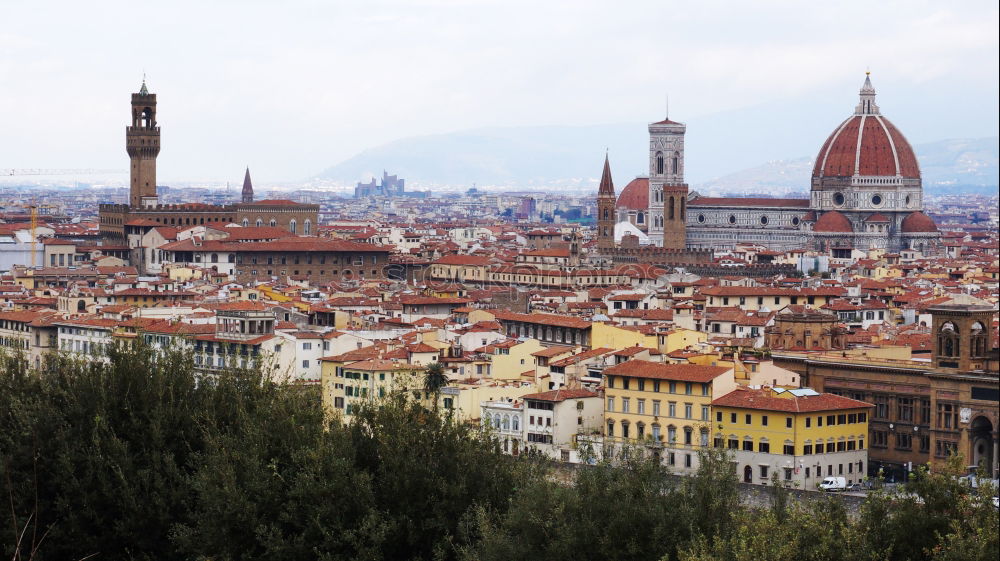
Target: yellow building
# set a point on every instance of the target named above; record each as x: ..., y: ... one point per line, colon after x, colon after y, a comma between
x: 802, y: 435
x: 617, y: 337
x: 667, y: 406
x: 347, y: 385
x: 679, y: 338
x: 510, y: 359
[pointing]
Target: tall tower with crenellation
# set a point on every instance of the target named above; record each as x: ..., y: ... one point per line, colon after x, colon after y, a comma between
x: 667, y: 190
x: 606, y: 216
x: 142, y: 142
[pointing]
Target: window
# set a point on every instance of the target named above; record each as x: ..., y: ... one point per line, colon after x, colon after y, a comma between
x: 946, y: 416
x: 880, y: 439
x: 305, y: 364
x: 672, y: 409
x: 732, y: 417
x: 764, y: 447
x: 763, y: 420
x: 808, y: 422
x: 733, y: 443
x: 763, y: 472
x: 788, y: 422
x: 671, y: 434
x: 747, y: 419
x: 925, y: 413
x: 625, y: 404
x: 881, y: 406
x: 718, y: 416
x: 672, y: 387
x: 789, y: 449
x: 687, y: 435
x: 748, y: 445
x: 656, y: 408
x: 640, y: 406
x: 687, y: 411
x: 704, y: 413
x: 703, y: 437
x: 807, y: 450
x: 904, y: 441
x: 611, y: 404
x: 687, y: 388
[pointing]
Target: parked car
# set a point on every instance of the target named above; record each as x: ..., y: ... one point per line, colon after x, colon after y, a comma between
x: 834, y: 484
x: 855, y: 487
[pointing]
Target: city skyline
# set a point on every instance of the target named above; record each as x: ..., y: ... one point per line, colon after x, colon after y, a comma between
x: 291, y: 93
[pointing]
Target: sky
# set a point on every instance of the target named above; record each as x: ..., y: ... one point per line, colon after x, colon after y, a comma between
x: 292, y: 87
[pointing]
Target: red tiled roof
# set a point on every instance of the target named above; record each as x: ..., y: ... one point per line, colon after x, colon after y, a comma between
x: 834, y: 222
x: 635, y: 195
x: 560, y: 395
x: 660, y: 371
x: 764, y: 400
x: 544, y: 319
x: 917, y: 222
x: 844, y: 153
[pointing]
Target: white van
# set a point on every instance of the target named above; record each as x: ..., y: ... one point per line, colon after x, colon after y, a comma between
x: 834, y: 484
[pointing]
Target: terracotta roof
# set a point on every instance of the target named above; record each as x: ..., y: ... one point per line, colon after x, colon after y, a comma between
x: 544, y: 319
x: 635, y: 195
x: 765, y: 400
x: 833, y: 222
x: 917, y: 222
x: 660, y: 371
x: 560, y: 395
x: 867, y: 145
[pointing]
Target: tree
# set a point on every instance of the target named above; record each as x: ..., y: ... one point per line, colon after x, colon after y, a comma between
x: 434, y: 380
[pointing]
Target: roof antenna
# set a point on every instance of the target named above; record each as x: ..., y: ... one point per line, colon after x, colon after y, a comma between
x: 667, y: 115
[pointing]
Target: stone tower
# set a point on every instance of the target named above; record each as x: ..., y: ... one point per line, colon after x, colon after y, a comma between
x: 606, y: 209
x: 962, y: 332
x: 667, y: 190
x: 142, y: 142
x: 247, y: 188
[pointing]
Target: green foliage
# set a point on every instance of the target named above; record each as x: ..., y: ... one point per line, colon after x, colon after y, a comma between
x: 136, y: 457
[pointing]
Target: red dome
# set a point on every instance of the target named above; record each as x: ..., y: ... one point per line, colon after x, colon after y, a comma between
x: 877, y: 217
x: 834, y: 222
x: 917, y: 222
x: 866, y: 145
x: 635, y: 195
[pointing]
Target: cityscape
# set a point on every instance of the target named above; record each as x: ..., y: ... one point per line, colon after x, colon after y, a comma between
x: 452, y: 360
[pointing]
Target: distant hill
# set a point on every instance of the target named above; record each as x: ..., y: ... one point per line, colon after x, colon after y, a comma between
x: 717, y: 161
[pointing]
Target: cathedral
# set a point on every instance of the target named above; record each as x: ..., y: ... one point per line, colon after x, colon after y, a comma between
x: 865, y: 193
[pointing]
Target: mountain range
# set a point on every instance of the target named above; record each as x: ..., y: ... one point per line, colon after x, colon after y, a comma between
x: 740, y: 151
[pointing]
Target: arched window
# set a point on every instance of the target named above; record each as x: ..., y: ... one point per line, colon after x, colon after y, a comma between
x: 516, y: 422
x: 259, y: 223
x: 273, y: 222
x: 659, y: 163
x: 292, y: 226
x: 506, y: 422
x: 677, y: 157
x: 670, y: 212
x: 496, y: 420
x: 215, y: 258
x: 977, y: 340
x: 640, y: 218
x: 605, y: 214
x: 307, y: 227
x: 246, y: 222
x: 683, y: 208
x: 948, y: 344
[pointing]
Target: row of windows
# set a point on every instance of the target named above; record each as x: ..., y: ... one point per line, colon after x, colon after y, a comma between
x: 641, y: 384
x: 788, y: 447
x: 831, y: 420
x: 656, y: 432
x: 356, y: 260
x: 626, y: 407
x: 347, y: 272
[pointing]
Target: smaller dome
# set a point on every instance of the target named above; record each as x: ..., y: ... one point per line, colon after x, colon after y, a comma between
x: 877, y: 217
x: 635, y: 195
x: 834, y: 222
x: 917, y: 222
x: 809, y: 216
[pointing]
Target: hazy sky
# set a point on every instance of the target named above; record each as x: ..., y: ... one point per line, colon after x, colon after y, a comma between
x: 291, y: 87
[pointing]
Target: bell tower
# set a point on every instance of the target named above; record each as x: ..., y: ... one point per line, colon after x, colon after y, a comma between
x: 962, y: 333
x: 667, y: 190
x: 142, y: 142
x: 606, y: 209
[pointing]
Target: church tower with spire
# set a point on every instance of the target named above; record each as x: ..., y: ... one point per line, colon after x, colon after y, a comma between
x: 247, y: 188
x: 606, y: 209
x: 142, y: 142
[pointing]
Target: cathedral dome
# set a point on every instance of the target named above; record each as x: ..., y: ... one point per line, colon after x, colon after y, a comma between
x: 877, y: 217
x: 635, y: 195
x: 833, y: 222
x: 918, y: 222
x: 866, y: 144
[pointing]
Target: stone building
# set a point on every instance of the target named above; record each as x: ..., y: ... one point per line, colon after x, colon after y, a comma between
x: 802, y: 328
x: 144, y: 211
x: 923, y: 411
x: 866, y: 193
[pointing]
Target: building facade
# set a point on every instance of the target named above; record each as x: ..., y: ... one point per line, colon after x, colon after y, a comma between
x: 866, y: 193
